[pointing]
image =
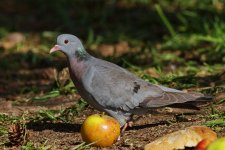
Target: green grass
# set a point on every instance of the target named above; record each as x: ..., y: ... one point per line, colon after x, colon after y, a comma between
x: 182, y: 40
x: 63, y: 115
x: 44, y: 146
x: 53, y: 116
x: 216, y: 119
x: 31, y: 146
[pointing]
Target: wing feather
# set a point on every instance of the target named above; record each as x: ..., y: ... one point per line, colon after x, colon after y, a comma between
x: 115, y: 88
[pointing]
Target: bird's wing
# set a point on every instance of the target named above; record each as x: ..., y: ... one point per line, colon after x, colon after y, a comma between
x: 116, y: 88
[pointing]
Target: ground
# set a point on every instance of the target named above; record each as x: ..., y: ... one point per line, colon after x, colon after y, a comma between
x: 58, y: 134
x: 178, y: 44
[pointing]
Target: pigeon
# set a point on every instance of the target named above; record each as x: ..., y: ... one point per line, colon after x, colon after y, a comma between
x: 112, y: 89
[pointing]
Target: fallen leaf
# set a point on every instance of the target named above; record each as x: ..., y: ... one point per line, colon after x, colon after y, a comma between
x: 121, y: 48
x: 189, y: 137
x: 106, y: 50
x: 152, y: 72
x: 11, y: 40
x: 117, y: 49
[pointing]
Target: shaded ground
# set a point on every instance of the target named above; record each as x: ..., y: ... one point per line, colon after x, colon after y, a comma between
x: 61, y: 135
x: 178, y: 44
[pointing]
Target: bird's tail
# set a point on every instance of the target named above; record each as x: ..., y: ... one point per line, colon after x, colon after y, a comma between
x: 201, y: 97
x: 178, y: 99
x: 199, y: 100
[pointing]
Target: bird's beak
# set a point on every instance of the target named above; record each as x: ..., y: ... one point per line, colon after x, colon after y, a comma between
x: 55, y: 48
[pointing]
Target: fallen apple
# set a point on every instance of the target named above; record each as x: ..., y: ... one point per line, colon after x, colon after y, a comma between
x: 101, y: 130
x: 218, y: 144
x: 202, y: 145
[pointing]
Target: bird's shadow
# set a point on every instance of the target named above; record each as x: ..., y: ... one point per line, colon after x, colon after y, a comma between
x: 71, y: 128
x: 138, y: 127
x: 57, y: 127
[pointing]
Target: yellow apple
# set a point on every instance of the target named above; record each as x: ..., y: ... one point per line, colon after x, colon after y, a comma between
x: 218, y: 144
x: 101, y: 130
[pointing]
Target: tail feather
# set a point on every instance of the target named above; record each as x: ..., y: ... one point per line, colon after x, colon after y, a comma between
x: 173, y: 98
x: 200, y: 96
x: 201, y: 99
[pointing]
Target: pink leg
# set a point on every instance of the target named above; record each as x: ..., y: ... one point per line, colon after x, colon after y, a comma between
x: 128, y: 124
x: 124, y: 128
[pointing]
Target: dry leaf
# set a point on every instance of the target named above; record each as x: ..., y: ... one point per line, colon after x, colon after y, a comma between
x: 12, y: 40
x: 189, y: 137
x: 152, y: 72
x: 106, y: 50
x: 118, y: 49
x: 121, y: 48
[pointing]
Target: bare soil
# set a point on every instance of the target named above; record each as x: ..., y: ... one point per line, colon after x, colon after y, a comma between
x: 60, y: 135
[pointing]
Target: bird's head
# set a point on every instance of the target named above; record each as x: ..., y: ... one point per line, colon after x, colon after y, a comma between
x: 70, y: 45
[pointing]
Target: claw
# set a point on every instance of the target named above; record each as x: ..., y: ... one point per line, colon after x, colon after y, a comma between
x: 128, y: 124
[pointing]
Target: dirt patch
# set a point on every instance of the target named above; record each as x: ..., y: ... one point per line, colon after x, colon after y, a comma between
x: 61, y: 135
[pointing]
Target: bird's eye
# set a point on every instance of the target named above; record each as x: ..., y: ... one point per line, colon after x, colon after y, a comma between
x: 66, y: 41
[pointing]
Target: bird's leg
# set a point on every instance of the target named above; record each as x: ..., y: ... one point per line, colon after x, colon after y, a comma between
x: 129, y: 123
x: 124, y: 128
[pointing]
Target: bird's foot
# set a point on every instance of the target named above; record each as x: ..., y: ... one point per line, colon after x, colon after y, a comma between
x: 128, y: 124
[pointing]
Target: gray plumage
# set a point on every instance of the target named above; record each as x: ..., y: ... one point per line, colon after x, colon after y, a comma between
x: 110, y: 88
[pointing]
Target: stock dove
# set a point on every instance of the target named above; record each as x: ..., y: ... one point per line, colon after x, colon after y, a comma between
x: 112, y: 89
